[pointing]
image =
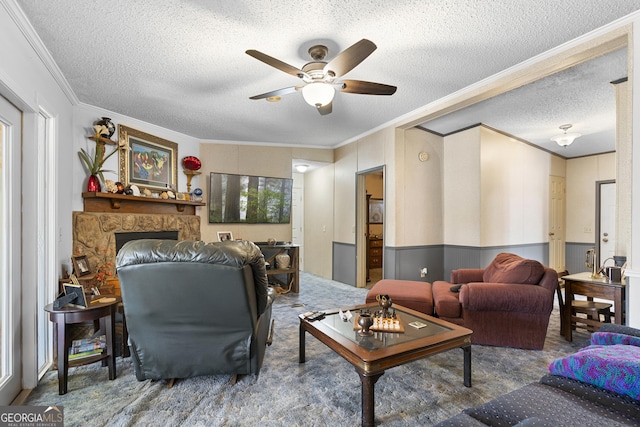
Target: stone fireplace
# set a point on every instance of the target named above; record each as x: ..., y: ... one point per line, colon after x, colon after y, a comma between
x: 94, y: 233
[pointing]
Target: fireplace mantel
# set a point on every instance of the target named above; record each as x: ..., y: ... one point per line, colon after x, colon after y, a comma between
x: 120, y: 203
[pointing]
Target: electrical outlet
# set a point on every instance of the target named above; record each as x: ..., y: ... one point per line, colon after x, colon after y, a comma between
x: 423, y: 272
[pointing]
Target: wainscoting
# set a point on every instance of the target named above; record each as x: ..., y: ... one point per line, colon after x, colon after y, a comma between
x: 575, y: 256
x: 404, y: 263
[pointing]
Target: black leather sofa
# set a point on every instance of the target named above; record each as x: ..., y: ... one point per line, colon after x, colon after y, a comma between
x: 556, y: 401
x: 195, y: 308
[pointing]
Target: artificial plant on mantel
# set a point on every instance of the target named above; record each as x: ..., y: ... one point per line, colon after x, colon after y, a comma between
x: 95, y: 165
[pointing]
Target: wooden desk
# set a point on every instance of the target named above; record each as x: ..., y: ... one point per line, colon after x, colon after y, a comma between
x: 105, y: 313
x: 584, y: 284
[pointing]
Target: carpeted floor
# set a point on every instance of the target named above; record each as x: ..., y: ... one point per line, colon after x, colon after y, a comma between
x: 324, y: 391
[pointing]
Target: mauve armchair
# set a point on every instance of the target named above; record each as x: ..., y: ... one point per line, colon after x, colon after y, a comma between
x: 506, y: 304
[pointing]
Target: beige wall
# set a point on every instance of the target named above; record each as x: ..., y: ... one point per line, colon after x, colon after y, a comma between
x: 514, y: 191
x: 624, y: 168
x: 582, y: 174
x: 462, y: 188
x: 558, y: 166
x: 418, y: 186
x: 319, y: 189
x: 250, y: 160
x: 496, y: 189
x: 346, y: 163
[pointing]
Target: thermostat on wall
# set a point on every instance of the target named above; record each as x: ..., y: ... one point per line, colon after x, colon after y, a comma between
x: 423, y: 156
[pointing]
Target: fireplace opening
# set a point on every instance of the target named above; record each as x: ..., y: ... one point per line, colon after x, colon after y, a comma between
x: 122, y: 238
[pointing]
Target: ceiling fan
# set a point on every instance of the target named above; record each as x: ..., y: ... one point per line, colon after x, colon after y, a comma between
x: 322, y: 79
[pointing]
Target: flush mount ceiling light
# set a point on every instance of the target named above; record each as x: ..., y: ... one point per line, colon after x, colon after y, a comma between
x: 302, y: 168
x: 565, y: 138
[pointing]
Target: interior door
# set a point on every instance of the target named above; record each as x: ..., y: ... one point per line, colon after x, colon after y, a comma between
x: 297, y: 217
x: 10, y: 250
x: 557, y: 259
x: 606, y: 195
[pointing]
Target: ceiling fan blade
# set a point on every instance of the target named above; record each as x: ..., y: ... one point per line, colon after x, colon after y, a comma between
x: 367, y: 88
x: 276, y: 63
x: 350, y: 57
x: 326, y: 109
x: 278, y: 92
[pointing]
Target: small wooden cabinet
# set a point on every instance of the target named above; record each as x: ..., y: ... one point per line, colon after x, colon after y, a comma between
x: 286, y: 278
x: 374, y: 253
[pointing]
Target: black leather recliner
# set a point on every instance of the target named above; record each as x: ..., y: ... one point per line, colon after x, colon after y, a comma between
x: 195, y: 308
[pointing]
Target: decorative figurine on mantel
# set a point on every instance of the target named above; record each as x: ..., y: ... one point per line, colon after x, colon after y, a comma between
x: 95, y: 165
x: 196, y: 196
x: 107, y: 128
x: 191, y: 165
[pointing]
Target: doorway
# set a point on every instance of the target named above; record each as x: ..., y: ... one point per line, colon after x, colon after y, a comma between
x: 605, y: 220
x: 557, y: 202
x: 297, y: 216
x: 370, y: 214
x: 10, y: 251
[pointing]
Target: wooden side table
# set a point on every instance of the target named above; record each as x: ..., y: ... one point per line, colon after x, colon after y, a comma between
x: 105, y: 313
x: 287, y: 278
x: 584, y: 284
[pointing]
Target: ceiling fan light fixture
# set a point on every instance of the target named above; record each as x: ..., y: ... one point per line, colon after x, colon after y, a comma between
x: 565, y: 139
x: 318, y: 94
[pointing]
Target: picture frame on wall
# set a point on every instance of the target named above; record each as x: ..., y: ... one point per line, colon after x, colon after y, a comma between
x: 80, y: 265
x: 376, y: 211
x: 223, y: 236
x: 146, y: 160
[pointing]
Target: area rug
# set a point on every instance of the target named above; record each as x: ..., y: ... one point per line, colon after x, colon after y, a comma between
x: 324, y: 391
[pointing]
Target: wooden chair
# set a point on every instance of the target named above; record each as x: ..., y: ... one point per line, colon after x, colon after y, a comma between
x: 591, y: 309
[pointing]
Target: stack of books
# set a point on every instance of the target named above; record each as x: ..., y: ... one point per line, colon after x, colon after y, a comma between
x: 87, y: 347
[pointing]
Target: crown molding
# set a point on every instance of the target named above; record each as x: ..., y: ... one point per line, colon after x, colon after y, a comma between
x: 34, y: 40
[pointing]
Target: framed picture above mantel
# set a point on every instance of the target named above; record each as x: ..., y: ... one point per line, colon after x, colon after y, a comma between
x: 147, y: 161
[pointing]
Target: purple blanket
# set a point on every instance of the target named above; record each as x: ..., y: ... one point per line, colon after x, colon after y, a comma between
x: 612, y: 362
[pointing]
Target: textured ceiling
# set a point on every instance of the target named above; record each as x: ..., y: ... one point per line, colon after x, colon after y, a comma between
x: 582, y: 96
x: 182, y: 64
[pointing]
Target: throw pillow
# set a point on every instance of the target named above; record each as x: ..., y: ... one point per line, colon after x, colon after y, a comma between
x: 511, y: 268
x: 611, y: 367
x: 456, y: 288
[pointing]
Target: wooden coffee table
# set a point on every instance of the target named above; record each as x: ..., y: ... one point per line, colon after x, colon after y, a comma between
x: 372, y: 355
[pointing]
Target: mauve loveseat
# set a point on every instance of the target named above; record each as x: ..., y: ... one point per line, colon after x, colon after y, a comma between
x: 508, y: 303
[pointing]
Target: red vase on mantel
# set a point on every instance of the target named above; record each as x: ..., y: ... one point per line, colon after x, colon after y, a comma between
x: 93, y: 185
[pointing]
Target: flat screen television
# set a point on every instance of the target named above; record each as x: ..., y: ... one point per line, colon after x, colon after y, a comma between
x: 249, y: 199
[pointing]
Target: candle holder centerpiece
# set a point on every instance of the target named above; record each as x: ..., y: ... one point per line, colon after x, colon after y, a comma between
x: 384, y: 301
x: 365, y: 320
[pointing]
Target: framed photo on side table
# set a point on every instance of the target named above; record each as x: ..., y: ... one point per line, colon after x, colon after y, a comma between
x: 223, y: 236
x: 80, y: 265
x: 78, y: 291
x: 146, y: 160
